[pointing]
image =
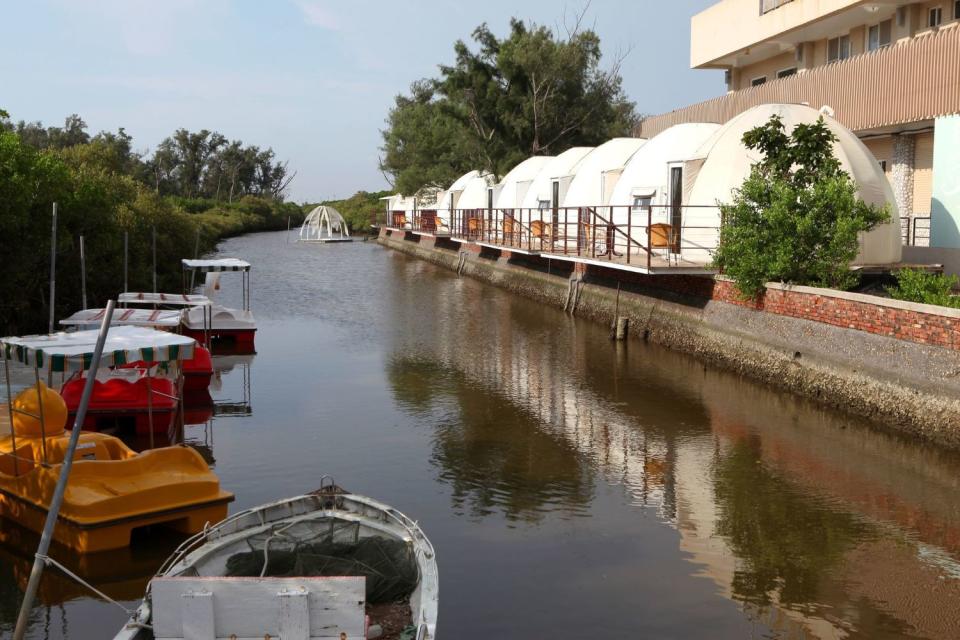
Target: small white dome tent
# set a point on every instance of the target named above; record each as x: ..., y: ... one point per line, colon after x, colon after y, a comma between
x: 448, y: 199
x: 324, y: 224
x: 471, y: 208
x: 599, y: 171
x: 538, y: 201
x: 399, y: 210
x: 509, y: 219
x: 722, y: 164
x: 589, y: 188
x: 645, y: 181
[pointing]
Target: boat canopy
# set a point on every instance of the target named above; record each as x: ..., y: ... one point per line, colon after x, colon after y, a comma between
x: 168, y: 299
x: 220, y: 264
x: 324, y: 223
x: 126, y: 317
x: 74, y: 351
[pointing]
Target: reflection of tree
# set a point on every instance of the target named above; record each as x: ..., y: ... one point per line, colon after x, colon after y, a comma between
x: 786, y: 541
x: 495, y: 455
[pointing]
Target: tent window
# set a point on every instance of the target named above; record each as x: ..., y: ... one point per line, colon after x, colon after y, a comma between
x: 756, y: 82
x: 785, y: 73
x: 543, y: 205
x: 642, y: 202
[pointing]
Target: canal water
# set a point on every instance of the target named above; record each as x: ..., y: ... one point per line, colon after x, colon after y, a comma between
x: 573, y: 487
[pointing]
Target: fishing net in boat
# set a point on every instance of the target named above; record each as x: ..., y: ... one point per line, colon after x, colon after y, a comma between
x: 388, y: 565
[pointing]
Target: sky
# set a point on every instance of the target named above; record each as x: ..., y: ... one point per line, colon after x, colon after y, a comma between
x: 313, y: 79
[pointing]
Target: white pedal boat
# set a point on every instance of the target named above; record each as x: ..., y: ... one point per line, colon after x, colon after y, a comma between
x: 211, y: 589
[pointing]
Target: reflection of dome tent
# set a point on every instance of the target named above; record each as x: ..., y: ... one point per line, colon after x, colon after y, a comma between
x: 324, y: 224
x: 722, y: 164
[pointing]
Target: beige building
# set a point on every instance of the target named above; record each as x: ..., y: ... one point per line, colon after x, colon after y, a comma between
x: 890, y: 71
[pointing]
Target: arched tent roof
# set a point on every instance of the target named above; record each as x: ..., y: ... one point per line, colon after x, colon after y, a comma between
x: 562, y: 165
x: 722, y: 163
x: 474, y: 194
x: 323, y: 223
x: 587, y: 187
x: 399, y: 202
x: 515, y: 184
x: 449, y: 198
x: 647, y: 171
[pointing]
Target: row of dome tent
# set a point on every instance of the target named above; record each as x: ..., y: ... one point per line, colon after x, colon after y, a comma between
x: 633, y: 196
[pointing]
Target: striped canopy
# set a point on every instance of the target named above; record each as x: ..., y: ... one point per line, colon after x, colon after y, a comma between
x: 127, y: 317
x: 73, y: 351
x: 221, y: 264
x: 165, y: 299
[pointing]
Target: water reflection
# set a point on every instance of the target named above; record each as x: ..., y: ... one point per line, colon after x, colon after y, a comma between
x: 816, y: 524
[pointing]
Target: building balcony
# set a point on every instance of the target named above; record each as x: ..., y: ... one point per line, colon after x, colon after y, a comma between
x: 914, y: 80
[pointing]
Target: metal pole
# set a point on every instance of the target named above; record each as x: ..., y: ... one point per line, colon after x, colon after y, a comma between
x: 83, y: 275
x: 54, y: 509
x: 150, y: 405
x: 154, y: 232
x: 288, y: 229
x: 126, y: 249
x: 43, y: 424
x: 13, y: 432
x: 53, y: 266
x: 196, y: 254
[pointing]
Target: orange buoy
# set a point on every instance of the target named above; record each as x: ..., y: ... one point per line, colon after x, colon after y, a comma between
x: 54, y: 412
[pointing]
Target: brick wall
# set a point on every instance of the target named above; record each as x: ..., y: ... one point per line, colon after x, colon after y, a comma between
x: 925, y: 324
x: 912, y: 322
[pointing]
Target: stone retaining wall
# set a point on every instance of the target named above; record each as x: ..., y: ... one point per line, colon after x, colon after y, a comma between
x: 896, y: 363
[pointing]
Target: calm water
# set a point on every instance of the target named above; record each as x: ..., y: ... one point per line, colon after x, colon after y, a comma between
x: 573, y: 487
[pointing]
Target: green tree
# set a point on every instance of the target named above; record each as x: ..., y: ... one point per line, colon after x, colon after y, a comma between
x: 796, y: 217
x: 531, y: 93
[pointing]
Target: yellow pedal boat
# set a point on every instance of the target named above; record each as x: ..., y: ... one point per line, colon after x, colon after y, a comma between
x: 112, y: 490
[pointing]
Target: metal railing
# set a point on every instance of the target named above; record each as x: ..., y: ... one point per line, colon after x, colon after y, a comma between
x: 650, y: 236
x: 915, y: 231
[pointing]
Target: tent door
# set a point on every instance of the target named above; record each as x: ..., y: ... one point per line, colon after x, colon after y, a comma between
x: 676, y: 205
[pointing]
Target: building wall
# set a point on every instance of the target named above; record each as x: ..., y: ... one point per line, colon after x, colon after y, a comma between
x: 923, y: 173
x: 767, y: 68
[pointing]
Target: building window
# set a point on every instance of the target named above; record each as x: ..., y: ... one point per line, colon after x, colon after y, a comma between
x: 786, y: 73
x: 935, y: 17
x: 756, y: 82
x: 766, y: 6
x: 838, y: 48
x: 956, y: 10
x: 879, y: 35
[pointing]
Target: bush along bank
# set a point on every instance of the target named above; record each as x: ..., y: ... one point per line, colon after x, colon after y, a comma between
x: 102, y: 200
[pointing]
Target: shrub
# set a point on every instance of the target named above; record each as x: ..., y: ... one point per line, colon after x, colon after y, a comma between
x: 915, y: 285
x: 796, y: 217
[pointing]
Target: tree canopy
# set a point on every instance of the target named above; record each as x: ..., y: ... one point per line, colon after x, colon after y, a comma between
x: 796, y: 217
x: 203, y: 164
x: 531, y: 93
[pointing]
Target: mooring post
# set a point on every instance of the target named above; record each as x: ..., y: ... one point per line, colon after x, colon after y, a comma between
x: 83, y: 275
x: 154, y: 237
x: 53, y: 267
x: 126, y: 249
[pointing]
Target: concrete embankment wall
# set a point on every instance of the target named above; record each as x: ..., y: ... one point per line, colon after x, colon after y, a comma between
x: 896, y: 363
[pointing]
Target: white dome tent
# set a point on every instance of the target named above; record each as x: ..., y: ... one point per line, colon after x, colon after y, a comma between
x: 509, y: 219
x: 645, y: 181
x: 324, y: 224
x: 472, y: 203
x: 537, y: 204
x: 722, y: 164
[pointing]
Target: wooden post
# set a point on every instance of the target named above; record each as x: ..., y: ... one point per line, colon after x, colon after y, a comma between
x: 53, y: 267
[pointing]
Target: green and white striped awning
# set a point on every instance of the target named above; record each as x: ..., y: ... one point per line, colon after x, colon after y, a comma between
x: 221, y: 264
x: 73, y: 351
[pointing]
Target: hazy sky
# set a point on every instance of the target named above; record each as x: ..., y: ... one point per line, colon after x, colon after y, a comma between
x: 313, y: 79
